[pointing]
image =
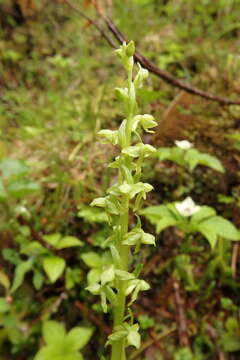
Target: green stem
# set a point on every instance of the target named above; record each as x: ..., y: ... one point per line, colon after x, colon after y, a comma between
x: 118, y: 348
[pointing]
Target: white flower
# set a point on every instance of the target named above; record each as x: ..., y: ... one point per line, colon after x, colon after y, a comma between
x: 183, y: 144
x: 187, y: 207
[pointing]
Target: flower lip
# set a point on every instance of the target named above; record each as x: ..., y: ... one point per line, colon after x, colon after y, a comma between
x: 183, y: 144
x: 187, y: 207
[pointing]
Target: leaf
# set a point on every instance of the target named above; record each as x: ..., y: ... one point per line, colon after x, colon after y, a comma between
x: 222, y: 227
x: 4, y: 280
x: 172, y: 154
x: 53, y: 332
x: 69, y: 241
x: 52, y: 239
x: 38, y: 279
x: 194, y: 157
x: 208, y: 233
x: 78, y: 337
x: 164, y: 223
x: 20, y: 272
x: 54, y: 267
x: 230, y: 342
x: 203, y: 213
x: 11, y: 167
x: 22, y: 187
x: 4, y: 306
x: 92, y: 259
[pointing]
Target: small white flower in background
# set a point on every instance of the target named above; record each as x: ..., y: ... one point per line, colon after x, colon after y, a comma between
x: 183, y: 144
x: 187, y: 207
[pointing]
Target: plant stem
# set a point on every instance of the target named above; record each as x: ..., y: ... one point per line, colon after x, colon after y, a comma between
x: 118, y: 348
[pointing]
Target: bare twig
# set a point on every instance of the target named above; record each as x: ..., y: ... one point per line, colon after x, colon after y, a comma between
x: 92, y: 317
x: 102, y: 32
x: 147, y: 64
x: 180, y: 315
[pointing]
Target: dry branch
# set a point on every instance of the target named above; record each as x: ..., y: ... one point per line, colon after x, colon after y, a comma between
x: 147, y: 64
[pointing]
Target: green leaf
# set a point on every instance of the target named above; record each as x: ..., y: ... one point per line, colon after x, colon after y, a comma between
x: 208, y: 233
x: 222, y: 227
x: 54, y: 267
x: 230, y: 342
x: 4, y: 306
x: 164, y: 223
x: 203, y: 213
x: 92, y: 259
x: 11, y: 167
x: 52, y: 239
x: 22, y: 187
x: 172, y: 154
x: 53, y: 332
x: 38, y: 279
x: 195, y: 157
x: 20, y: 272
x: 69, y: 241
x: 78, y: 337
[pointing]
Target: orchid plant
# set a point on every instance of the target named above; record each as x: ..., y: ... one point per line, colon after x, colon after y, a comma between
x: 117, y: 286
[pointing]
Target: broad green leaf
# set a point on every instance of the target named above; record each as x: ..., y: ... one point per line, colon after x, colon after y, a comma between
x: 33, y: 248
x: 52, y: 239
x: 173, y: 154
x: 222, y: 227
x: 195, y: 157
x: 11, y: 167
x: 54, y: 267
x: 78, y: 337
x: 92, y: 259
x: 20, y: 272
x: 69, y: 241
x: 203, y: 213
x: 164, y: 223
x: 22, y: 187
x: 53, y: 332
x: 208, y: 233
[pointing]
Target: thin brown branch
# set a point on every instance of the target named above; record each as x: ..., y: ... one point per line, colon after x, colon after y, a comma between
x: 92, y: 317
x: 101, y: 31
x: 147, y: 64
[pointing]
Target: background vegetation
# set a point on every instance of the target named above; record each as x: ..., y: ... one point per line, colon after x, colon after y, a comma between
x: 57, y: 75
